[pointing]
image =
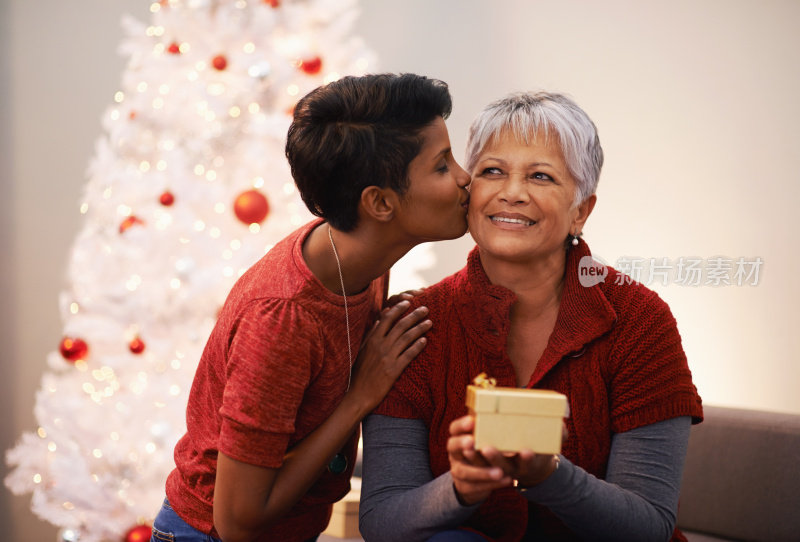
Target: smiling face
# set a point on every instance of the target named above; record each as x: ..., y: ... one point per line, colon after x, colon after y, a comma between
x: 522, y: 200
x: 435, y: 205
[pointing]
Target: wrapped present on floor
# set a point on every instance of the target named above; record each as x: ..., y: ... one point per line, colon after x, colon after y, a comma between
x: 344, y: 519
x: 511, y: 419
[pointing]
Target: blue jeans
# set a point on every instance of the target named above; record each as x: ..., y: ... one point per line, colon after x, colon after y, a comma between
x: 456, y: 535
x: 169, y: 527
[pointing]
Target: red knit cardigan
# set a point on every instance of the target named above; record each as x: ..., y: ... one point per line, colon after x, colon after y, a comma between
x: 615, y: 352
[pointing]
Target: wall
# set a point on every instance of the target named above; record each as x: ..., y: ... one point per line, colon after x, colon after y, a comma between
x: 695, y: 102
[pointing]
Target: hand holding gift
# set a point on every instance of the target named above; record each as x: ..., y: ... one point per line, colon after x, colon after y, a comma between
x: 510, y: 437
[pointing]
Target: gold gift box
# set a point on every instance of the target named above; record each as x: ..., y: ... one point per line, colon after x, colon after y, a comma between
x: 511, y: 419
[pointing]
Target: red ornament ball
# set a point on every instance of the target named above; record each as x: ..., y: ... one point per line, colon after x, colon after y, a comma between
x: 174, y: 48
x: 136, y: 345
x: 311, y: 66
x: 128, y: 222
x: 219, y: 62
x: 73, y: 349
x: 140, y: 533
x: 251, y: 207
x: 273, y: 3
x: 166, y: 199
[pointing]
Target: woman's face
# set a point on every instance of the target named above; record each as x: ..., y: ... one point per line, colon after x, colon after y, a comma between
x: 521, y: 206
x: 435, y: 205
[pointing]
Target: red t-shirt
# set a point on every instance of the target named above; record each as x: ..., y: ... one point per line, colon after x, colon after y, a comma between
x: 274, y: 368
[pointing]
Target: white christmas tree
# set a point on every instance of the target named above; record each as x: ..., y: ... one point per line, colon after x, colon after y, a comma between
x: 188, y: 187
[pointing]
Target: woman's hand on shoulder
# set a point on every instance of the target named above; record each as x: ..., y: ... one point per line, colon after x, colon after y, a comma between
x: 388, y: 348
x: 408, y: 295
x: 474, y: 478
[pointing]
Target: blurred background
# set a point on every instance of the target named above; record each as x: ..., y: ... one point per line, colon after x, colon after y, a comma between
x: 695, y: 102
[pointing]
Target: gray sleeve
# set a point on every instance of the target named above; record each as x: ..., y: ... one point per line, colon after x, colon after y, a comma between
x: 400, y: 499
x: 639, y: 498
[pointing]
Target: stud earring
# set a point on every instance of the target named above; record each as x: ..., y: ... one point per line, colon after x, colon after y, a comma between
x: 575, y: 240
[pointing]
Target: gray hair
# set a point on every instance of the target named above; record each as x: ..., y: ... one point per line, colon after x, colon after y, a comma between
x: 525, y: 114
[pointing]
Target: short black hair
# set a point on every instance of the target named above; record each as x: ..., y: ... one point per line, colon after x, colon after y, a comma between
x: 358, y: 132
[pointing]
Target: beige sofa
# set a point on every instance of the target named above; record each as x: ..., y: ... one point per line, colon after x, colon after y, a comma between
x: 741, y: 480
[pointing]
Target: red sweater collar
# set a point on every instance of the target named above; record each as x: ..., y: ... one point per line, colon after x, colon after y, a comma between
x: 584, y: 315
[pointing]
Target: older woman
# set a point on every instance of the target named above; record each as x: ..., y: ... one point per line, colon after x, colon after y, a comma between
x: 519, y: 313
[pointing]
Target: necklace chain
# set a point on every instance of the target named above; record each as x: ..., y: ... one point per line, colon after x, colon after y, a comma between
x: 346, y: 312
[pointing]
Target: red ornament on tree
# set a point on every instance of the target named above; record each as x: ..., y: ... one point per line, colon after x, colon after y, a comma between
x: 251, y: 207
x: 311, y: 66
x: 136, y: 345
x: 273, y: 3
x: 219, y: 62
x: 73, y: 349
x: 128, y: 222
x: 174, y: 48
x: 166, y: 199
x: 140, y: 533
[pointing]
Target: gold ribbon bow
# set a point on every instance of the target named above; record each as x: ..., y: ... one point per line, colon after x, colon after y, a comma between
x: 482, y: 381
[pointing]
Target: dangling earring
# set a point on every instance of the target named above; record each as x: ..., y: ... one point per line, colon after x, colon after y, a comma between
x: 575, y: 240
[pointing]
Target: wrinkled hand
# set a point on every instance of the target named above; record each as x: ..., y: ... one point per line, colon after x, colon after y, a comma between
x: 474, y: 477
x: 388, y: 347
x: 525, y: 466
